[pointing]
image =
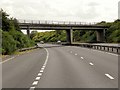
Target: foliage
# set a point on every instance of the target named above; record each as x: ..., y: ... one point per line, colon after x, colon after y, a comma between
x: 112, y: 34
x: 8, y: 43
x: 32, y: 34
x: 12, y: 37
x: 52, y: 36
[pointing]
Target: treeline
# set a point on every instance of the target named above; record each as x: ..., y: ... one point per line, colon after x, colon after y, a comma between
x: 112, y: 34
x: 12, y: 38
x: 52, y: 36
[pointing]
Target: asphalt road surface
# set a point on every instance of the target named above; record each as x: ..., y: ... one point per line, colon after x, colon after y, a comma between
x: 57, y: 66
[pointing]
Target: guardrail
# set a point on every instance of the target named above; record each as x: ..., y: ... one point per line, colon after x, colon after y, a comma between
x: 55, y: 22
x: 25, y: 49
x: 112, y: 49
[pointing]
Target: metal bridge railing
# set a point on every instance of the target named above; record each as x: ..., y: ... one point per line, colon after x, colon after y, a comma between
x: 55, y: 22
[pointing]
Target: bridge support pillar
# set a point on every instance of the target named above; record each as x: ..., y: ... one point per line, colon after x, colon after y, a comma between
x: 28, y: 32
x: 100, y: 35
x: 69, y: 36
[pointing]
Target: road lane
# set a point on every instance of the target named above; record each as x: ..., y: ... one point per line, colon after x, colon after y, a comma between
x: 20, y: 72
x: 66, y: 69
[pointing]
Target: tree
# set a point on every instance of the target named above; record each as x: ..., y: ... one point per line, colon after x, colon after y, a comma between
x: 32, y: 34
x: 5, y: 21
x: 8, y: 43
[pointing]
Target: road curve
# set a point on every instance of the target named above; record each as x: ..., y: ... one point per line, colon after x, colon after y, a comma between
x: 20, y: 72
x: 59, y: 66
x: 75, y: 67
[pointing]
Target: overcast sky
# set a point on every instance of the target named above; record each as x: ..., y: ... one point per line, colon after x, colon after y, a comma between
x: 69, y: 10
x: 62, y: 10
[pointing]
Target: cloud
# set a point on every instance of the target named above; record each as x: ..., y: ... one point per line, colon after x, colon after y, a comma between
x: 93, y: 4
x: 69, y: 10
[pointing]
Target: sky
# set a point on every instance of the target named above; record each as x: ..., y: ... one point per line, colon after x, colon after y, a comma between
x: 62, y: 10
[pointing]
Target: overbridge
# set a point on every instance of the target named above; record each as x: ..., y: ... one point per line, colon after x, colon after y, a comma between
x: 62, y: 25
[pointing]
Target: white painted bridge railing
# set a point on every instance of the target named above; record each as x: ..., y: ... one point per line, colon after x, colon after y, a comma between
x: 55, y: 22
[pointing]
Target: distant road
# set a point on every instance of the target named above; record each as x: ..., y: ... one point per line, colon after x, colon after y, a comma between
x: 59, y: 66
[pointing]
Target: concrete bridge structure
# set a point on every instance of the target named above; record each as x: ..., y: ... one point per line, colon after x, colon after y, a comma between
x: 61, y: 25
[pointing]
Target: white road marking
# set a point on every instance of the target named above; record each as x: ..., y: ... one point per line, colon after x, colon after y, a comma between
x: 41, y: 71
x: 82, y: 58
x: 91, y: 64
x: 32, y: 88
x: 37, y: 78
x: 35, y: 83
x: 42, y: 68
x: 109, y: 76
x: 39, y: 74
x: 7, y: 60
x: 106, y: 52
x: 112, y: 54
x: 47, y: 54
x: 76, y: 54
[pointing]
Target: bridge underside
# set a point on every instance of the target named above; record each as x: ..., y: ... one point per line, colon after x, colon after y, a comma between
x: 100, y: 30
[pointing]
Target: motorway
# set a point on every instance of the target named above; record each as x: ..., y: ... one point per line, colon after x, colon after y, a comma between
x: 57, y: 66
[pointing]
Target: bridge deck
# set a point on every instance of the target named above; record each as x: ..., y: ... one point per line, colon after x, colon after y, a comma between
x: 53, y: 25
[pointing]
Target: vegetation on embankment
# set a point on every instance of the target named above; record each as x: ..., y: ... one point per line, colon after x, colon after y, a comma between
x: 12, y: 38
x: 112, y: 34
x: 52, y: 36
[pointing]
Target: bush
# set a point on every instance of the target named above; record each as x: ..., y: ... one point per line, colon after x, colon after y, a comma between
x: 8, y: 43
x: 22, y: 41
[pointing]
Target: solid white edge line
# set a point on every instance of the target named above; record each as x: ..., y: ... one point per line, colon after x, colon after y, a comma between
x: 7, y: 60
x: 47, y: 54
x: 109, y: 76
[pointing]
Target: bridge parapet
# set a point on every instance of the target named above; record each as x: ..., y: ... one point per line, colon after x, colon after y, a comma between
x: 55, y: 22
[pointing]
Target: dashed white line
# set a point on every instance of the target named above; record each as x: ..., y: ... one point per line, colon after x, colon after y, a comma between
x: 42, y: 68
x: 35, y: 83
x: 109, y: 76
x: 76, y: 54
x: 39, y: 74
x: 82, y: 58
x: 41, y: 71
x: 37, y: 78
x: 32, y: 88
x: 91, y: 64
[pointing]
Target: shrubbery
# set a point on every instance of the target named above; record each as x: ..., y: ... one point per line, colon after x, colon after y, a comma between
x: 12, y: 37
x: 52, y: 36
